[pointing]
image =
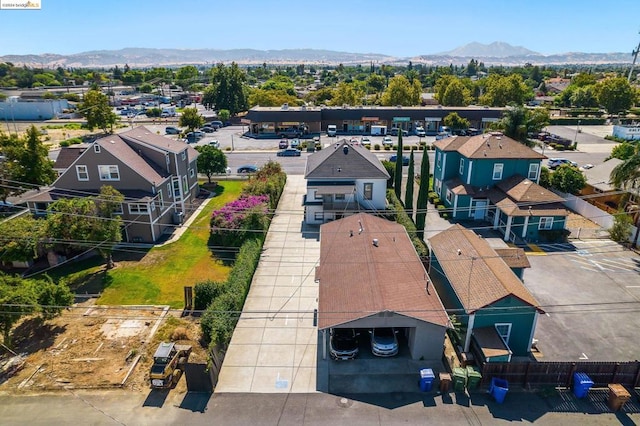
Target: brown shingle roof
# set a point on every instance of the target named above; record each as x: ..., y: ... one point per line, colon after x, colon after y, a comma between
x: 488, y: 145
x: 144, y: 135
x: 357, y: 163
x: 514, y: 257
x: 457, y: 186
x: 451, y: 144
x: 478, y: 275
x: 518, y: 196
x: 358, y: 279
x: 68, y: 155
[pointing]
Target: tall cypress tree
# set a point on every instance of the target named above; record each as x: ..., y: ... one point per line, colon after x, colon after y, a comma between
x: 398, y: 178
x: 423, y: 195
x: 408, y: 195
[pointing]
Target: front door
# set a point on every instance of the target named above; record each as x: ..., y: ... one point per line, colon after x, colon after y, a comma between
x: 480, y: 211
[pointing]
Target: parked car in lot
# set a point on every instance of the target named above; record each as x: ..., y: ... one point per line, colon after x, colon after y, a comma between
x: 207, y: 129
x: 365, y: 141
x: 420, y: 132
x: 195, y: 136
x: 289, y: 152
x: 295, y: 143
x: 394, y: 132
x: 405, y: 159
x: 170, y: 130
x: 384, y: 342
x: 247, y: 168
x: 283, y: 144
x: 343, y: 343
x: 214, y: 143
x: 387, y: 141
x: 554, y: 163
x: 215, y: 124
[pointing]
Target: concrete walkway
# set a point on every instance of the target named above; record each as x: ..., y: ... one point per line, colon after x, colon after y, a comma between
x: 274, y: 345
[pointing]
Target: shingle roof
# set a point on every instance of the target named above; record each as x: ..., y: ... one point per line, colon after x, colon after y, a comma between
x: 145, y: 136
x: 458, y: 187
x: 514, y: 257
x: 600, y: 176
x: 518, y: 196
x: 117, y: 147
x: 488, y: 145
x: 68, y: 155
x: 478, y: 275
x: 345, y: 161
x: 358, y: 279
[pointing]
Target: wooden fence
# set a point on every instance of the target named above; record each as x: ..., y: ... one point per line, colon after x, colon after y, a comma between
x: 539, y: 374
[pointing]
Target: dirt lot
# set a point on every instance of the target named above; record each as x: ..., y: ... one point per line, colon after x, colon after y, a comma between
x: 92, y: 346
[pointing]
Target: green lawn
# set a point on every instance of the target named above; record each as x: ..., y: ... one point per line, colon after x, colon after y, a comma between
x: 159, y: 276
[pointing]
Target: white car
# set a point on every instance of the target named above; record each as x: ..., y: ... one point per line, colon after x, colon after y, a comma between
x: 387, y: 141
x: 365, y: 141
x: 214, y: 143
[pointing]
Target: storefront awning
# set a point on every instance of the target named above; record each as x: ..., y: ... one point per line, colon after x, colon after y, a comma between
x: 370, y: 119
x: 336, y: 189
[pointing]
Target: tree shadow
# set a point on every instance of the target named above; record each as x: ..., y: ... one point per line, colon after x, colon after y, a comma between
x: 31, y: 335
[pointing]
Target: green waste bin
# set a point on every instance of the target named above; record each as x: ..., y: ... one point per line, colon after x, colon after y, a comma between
x: 459, y: 379
x: 473, y: 378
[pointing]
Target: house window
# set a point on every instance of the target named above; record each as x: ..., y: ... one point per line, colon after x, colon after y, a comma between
x: 504, y: 331
x: 318, y: 216
x: 169, y: 190
x: 438, y: 158
x: 545, y: 223
x: 166, y: 156
x: 176, y: 189
x: 461, y: 165
x: 184, y: 155
x: 117, y: 209
x: 185, y: 186
x: 317, y: 196
x: 533, y: 171
x: 109, y: 172
x: 96, y: 148
x: 160, y: 200
x: 191, y: 173
x: 449, y: 196
x: 82, y: 172
x: 138, y: 208
x: 339, y: 197
x: 497, y: 171
x: 368, y: 191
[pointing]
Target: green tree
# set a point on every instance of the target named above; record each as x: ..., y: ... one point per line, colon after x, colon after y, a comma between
x: 224, y: 115
x: 408, y: 195
x: 423, y: 195
x: 211, y: 160
x: 398, y: 175
x: 517, y: 122
x: 621, y: 229
x: 584, y: 97
x: 186, y: 76
x: 545, y: 178
x: 624, y: 151
x: 344, y: 94
x: 271, y: 98
x: 228, y: 89
x: 626, y: 175
x: 568, y: 179
x: 21, y: 239
x: 455, y: 122
x: 616, y: 95
x: 391, y: 169
x: 191, y: 119
x: 504, y: 90
x: 108, y: 224
x: 95, y: 108
x: 456, y: 94
x: 402, y: 92
x: 376, y: 82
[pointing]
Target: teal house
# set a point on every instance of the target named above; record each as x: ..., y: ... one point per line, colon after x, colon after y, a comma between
x: 491, y: 177
x: 498, y: 315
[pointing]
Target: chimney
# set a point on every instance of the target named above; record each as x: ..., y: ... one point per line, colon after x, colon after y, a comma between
x: 375, y: 242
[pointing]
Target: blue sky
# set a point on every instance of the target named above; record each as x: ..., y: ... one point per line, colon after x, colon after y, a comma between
x: 399, y: 28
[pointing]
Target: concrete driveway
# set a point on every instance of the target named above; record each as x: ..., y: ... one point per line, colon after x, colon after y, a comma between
x: 590, y: 291
x: 274, y: 345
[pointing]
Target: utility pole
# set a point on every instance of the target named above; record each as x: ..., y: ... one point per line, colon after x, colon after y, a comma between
x: 634, y: 53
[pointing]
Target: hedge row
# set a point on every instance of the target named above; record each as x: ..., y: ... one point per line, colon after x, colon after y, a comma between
x: 574, y: 121
x: 401, y: 216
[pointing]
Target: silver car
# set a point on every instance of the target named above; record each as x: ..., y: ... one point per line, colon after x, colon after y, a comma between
x: 384, y: 342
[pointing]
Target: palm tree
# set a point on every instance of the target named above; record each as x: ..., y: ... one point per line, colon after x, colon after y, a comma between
x: 626, y: 175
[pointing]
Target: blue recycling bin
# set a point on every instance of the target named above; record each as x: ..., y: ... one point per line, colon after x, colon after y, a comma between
x: 498, y: 389
x: 426, y: 379
x: 581, y: 384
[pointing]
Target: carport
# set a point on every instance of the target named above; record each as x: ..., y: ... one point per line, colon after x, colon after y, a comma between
x: 370, y: 276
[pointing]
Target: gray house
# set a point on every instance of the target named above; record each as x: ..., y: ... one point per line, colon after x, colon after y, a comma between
x: 157, y: 176
x: 343, y: 179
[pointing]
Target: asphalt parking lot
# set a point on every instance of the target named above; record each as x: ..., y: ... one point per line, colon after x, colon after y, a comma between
x: 590, y: 291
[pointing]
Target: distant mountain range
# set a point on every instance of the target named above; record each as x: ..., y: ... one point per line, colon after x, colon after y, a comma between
x: 497, y: 53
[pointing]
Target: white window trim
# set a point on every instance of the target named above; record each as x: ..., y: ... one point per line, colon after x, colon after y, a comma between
x: 108, y: 177
x: 137, y: 209
x: 499, y: 166
x: 364, y: 190
x: 461, y: 170
x: 542, y: 225
x: 160, y: 200
x: 120, y: 210
x: 184, y: 155
x: 169, y: 191
x: 86, y: 172
x: 191, y: 173
x: 96, y: 148
x: 502, y: 324
x: 449, y: 196
x: 533, y: 174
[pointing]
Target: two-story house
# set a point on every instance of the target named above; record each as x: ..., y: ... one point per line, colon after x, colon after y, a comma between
x: 343, y: 179
x: 156, y: 175
x: 494, y: 178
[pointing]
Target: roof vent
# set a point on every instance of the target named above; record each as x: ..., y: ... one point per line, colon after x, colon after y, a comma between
x: 485, y: 152
x: 375, y: 242
x: 285, y: 106
x: 500, y: 145
x: 345, y: 149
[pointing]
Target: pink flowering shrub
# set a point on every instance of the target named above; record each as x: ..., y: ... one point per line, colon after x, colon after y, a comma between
x: 237, y: 220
